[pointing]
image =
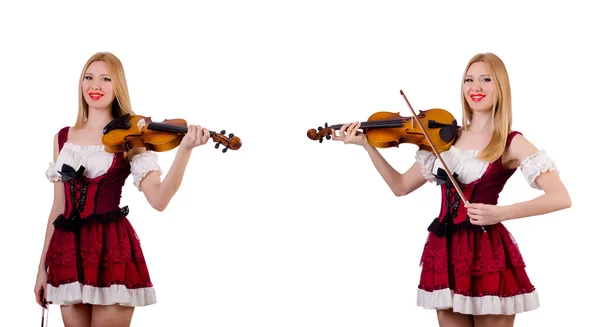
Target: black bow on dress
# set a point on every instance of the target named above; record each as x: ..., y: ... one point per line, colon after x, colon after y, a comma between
x: 442, y: 176
x: 67, y: 172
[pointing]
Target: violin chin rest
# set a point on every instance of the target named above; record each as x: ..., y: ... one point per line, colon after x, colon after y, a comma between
x: 447, y: 133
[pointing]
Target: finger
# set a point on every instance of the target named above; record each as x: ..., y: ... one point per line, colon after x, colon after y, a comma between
x: 474, y: 211
x: 199, y: 133
x: 38, y: 296
x: 194, y: 133
x: 339, y: 134
x: 206, y: 136
x: 190, y: 131
x: 476, y: 219
x: 344, y: 129
x: 353, y: 129
x: 334, y: 135
x: 44, y: 296
x: 343, y: 133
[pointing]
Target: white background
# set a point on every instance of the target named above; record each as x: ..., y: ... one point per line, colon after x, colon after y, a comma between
x: 287, y: 231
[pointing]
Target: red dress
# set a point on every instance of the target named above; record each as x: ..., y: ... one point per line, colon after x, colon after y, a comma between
x: 94, y: 255
x: 468, y: 269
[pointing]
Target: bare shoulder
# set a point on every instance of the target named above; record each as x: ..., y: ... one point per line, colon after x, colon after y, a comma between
x: 519, y: 149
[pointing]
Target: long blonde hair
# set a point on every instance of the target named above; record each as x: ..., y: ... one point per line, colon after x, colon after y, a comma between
x: 501, y: 109
x: 122, y: 105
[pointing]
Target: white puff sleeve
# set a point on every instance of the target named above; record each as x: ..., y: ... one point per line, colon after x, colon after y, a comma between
x: 426, y: 159
x: 535, y: 164
x: 52, y: 174
x: 142, y: 164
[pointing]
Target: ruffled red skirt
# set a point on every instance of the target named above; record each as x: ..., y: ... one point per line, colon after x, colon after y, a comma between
x: 475, y: 272
x: 97, y: 260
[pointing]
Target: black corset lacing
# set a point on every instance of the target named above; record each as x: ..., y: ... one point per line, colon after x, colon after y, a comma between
x: 446, y: 227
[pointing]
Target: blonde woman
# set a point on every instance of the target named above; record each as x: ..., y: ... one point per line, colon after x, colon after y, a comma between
x: 475, y: 276
x: 92, y: 263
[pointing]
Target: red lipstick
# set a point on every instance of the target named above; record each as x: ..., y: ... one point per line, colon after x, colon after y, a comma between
x: 95, y: 95
x: 477, y: 97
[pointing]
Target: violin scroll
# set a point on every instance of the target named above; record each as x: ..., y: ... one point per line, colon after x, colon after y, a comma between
x: 230, y: 142
x: 320, y: 133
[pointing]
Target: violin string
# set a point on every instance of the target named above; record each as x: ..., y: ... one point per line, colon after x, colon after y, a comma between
x: 376, y: 124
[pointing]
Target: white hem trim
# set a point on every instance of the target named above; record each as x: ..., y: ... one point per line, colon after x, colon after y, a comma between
x: 484, y: 305
x: 115, y: 294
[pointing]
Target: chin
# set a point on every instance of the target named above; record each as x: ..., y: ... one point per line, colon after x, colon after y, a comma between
x: 98, y: 104
x: 481, y: 107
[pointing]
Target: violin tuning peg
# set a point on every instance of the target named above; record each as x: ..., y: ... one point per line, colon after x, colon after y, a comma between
x: 224, y: 150
x: 223, y: 132
x: 328, y: 136
x: 231, y: 135
x: 217, y: 145
x: 321, y: 139
x: 320, y: 128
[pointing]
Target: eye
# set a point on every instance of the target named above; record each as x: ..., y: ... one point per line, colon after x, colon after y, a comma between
x: 106, y: 79
x: 468, y: 80
x: 88, y: 78
x: 487, y: 79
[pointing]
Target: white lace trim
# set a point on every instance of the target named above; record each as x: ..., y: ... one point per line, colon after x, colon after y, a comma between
x: 535, y: 164
x: 142, y: 164
x: 426, y: 160
x: 115, y: 294
x: 93, y: 157
x: 484, y: 305
x: 463, y: 162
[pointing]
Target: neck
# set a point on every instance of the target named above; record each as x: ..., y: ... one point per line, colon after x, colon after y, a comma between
x: 481, y: 122
x: 98, y: 118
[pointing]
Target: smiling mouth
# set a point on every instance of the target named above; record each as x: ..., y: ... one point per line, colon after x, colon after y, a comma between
x: 95, y: 95
x: 477, y: 97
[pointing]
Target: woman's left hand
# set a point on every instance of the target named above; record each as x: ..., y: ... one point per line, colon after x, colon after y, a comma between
x: 195, y: 136
x: 485, y: 214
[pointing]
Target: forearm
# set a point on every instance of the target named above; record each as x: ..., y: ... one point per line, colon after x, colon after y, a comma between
x: 543, y: 204
x: 172, y: 181
x: 47, y: 238
x: 390, y: 175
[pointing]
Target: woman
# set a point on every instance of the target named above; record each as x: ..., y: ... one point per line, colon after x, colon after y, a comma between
x: 472, y: 271
x: 92, y: 263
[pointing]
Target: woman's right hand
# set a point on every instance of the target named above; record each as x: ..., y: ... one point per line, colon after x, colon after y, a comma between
x: 40, y: 287
x: 350, y: 135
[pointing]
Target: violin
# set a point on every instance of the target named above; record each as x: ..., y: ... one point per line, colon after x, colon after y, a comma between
x: 389, y: 129
x: 129, y: 131
x: 386, y: 129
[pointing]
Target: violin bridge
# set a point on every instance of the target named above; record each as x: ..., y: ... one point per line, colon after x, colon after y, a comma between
x: 140, y: 124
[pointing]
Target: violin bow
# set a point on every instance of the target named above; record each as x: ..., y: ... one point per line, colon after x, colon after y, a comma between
x: 437, y: 154
x: 45, y: 314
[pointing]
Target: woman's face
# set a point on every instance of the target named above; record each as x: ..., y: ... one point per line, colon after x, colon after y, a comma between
x: 97, y: 87
x: 478, y: 87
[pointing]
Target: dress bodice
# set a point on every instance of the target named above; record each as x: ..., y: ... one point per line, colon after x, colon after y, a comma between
x: 481, y: 182
x: 93, y: 178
